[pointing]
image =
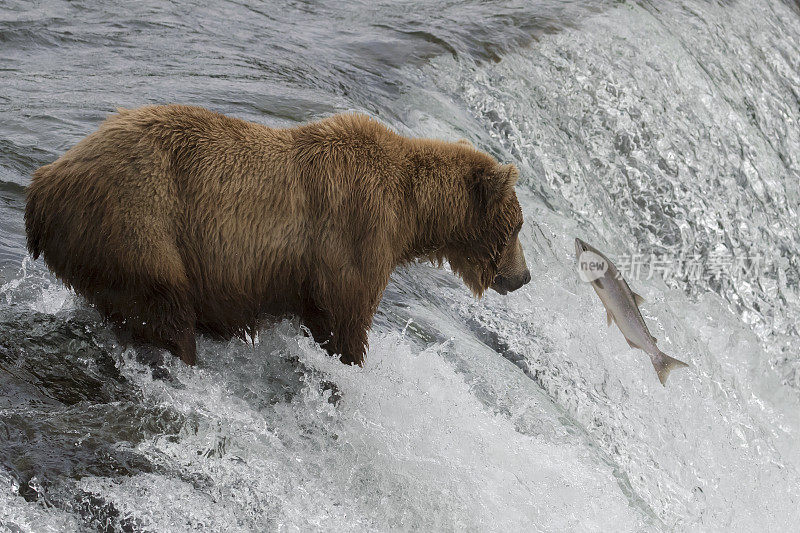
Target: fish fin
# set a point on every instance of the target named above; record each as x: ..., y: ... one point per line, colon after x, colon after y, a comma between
x: 638, y: 299
x: 665, y: 364
x: 631, y: 344
x: 609, y: 317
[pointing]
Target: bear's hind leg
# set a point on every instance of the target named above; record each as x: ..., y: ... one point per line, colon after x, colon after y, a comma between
x: 160, y: 316
x: 170, y: 323
x: 179, y: 340
x: 175, y: 334
x: 150, y: 341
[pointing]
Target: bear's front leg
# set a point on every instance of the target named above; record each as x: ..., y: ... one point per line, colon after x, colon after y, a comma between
x: 341, y: 328
x: 350, y: 341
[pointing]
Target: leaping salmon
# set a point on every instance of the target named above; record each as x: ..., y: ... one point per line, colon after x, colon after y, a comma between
x: 622, y: 306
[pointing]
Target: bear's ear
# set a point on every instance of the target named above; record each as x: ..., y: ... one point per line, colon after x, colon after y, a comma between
x: 495, y: 184
x: 509, y: 174
x: 465, y: 142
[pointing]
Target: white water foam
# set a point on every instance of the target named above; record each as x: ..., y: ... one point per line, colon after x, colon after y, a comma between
x: 408, y: 446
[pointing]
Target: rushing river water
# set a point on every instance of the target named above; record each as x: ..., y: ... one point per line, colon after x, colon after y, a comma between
x: 665, y: 133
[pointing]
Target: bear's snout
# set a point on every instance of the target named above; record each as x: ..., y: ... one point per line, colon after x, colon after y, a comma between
x: 513, y: 272
x: 504, y: 285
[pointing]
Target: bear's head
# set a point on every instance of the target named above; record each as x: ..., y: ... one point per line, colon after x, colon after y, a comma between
x: 488, y: 253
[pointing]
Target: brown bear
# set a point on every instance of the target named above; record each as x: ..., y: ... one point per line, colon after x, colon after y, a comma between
x: 174, y: 219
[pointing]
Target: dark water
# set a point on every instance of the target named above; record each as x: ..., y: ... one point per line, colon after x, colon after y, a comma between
x: 666, y: 128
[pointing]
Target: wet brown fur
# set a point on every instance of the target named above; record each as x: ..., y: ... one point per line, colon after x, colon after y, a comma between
x: 172, y: 219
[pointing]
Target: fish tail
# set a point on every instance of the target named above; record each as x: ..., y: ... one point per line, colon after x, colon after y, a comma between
x: 665, y: 364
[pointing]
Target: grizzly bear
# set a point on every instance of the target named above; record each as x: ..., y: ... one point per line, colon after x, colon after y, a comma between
x: 174, y: 219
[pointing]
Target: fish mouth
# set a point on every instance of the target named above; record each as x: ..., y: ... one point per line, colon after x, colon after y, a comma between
x: 580, y: 246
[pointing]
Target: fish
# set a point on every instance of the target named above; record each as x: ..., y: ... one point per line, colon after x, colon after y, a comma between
x: 622, y: 306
